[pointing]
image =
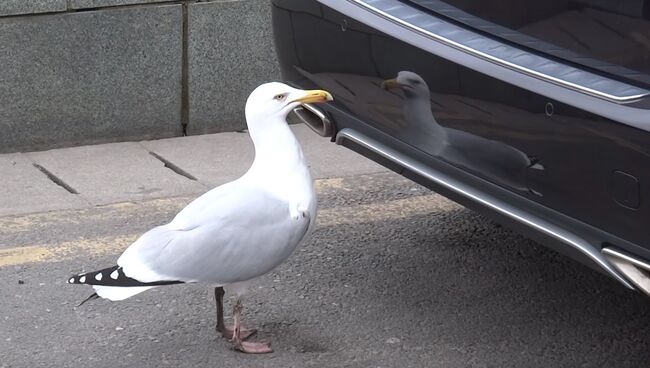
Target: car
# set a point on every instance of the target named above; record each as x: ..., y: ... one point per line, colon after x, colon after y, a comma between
x: 536, y: 114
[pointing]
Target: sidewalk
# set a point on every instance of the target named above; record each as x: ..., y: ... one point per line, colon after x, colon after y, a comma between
x: 87, y: 176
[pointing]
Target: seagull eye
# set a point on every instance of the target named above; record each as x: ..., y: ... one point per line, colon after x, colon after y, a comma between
x: 280, y: 97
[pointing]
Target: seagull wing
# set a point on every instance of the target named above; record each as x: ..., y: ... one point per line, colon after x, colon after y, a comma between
x: 232, y: 233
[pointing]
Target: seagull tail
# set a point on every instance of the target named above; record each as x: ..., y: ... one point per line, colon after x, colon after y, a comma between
x: 116, y: 293
x: 111, y: 283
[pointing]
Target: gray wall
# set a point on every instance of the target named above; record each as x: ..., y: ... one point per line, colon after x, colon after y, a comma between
x: 78, y: 72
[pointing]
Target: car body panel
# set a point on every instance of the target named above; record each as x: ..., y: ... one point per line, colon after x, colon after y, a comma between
x: 575, y: 158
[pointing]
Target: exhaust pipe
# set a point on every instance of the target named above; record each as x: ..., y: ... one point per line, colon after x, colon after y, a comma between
x: 315, y: 119
x: 634, y: 269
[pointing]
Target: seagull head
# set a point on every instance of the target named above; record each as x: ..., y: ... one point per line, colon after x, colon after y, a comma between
x: 410, y: 83
x: 278, y: 100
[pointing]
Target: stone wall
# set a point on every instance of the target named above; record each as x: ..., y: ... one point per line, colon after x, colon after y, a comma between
x: 78, y: 72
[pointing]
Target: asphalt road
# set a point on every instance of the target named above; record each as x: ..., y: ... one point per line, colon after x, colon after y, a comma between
x: 394, y: 276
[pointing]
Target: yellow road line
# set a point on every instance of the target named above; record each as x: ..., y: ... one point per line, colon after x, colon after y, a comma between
x: 65, y: 250
x: 344, y: 215
x: 32, y: 222
x: 16, y: 256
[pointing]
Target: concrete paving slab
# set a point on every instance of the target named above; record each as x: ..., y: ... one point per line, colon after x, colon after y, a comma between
x: 115, y: 172
x: 25, y: 189
x: 213, y: 159
x: 226, y: 156
x: 120, y: 172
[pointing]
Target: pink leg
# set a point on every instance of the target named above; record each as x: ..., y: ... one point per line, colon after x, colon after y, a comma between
x: 245, y: 346
x: 221, y: 326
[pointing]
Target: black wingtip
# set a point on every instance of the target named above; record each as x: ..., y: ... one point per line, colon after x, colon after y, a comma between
x: 92, y: 278
x: 92, y: 297
x: 113, y: 276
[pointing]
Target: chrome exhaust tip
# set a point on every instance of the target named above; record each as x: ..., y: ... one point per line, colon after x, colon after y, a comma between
x: 315, y: 119
x: 635, y: 270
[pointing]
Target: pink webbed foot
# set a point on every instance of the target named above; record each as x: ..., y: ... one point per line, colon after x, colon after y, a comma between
x: 253, y: 347
x: 238, y: 336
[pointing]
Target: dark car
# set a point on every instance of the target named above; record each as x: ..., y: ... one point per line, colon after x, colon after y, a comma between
x: 536, y: 113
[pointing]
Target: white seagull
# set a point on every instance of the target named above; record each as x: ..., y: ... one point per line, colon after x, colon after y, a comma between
x: 235, y: 232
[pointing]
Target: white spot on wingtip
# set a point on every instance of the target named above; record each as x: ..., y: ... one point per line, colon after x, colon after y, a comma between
x: 115, y: 275
x: 99, y: 276
x: 71, y: 281
x: 82, y: 279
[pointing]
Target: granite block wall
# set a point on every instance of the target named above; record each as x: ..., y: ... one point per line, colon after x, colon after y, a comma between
x: 76, y: 72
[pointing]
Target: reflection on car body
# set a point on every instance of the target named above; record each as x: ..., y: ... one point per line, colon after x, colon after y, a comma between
x: 494, y: 160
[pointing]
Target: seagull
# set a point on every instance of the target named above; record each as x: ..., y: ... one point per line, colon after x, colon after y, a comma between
x: 496, y: 160
x: 235, y: 232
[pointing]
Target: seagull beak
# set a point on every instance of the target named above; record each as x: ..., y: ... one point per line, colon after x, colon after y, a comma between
x: 315, y: 96
x: 390, y: 84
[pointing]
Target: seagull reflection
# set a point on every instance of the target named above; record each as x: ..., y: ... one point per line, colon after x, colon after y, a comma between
x: 496, y: 161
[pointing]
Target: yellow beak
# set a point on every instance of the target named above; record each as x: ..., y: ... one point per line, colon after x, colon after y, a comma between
x: 315, y: 96
x: 390, y: 83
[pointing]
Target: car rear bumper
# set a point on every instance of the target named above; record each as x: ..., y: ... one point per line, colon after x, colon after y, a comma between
x: 323, y: 44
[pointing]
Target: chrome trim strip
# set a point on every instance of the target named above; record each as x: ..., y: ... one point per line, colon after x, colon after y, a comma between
x: 625, y: 257
x: 624, y: 93
x: 495, y: 204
